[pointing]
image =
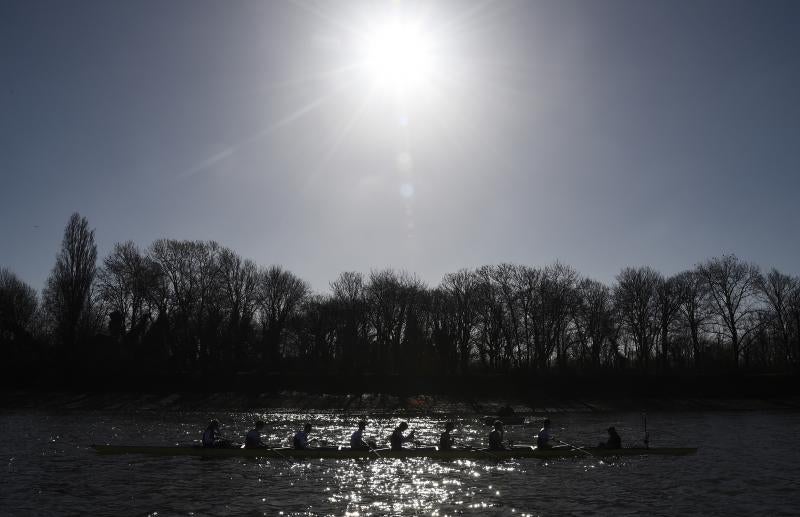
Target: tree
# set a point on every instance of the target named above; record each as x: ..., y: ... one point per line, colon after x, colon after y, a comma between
x: 124, y: 283
x: 280, y: 294
x: 239, y: 293
x: 18, y: 302
x: 352, y: 326
x: 694, y: 308
x: 67, y: 295
x: 18, y: 306
x: 667, y: 306
x: 528, y: 282
x: 794, y: 324
x: 317, y: 331
x: 390, y: 296
x: 777, y: 291
x: 491, y: 318
x: 188, y: 297
x: 462, y: 288
x: 594, y: 319
x: 558, y: 300
x: 732, y: 286
x: 635, y: 298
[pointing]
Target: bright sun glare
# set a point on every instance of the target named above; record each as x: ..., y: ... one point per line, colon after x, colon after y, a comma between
x: 398, y: 56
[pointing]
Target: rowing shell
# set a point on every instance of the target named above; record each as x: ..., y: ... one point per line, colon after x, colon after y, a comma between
x: 418, y: 452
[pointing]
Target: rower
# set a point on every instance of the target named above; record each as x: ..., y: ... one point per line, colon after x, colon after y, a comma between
x: 544, y: 436
x: 496, y: 437
x: 357, y: 441
x: 252, y: 439
x: 211, y: 436
x: 397, y: 439
x: 301, y: 440
x: 446, y: 441
x: 614, y: 440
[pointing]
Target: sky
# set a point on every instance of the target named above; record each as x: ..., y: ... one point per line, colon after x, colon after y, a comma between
x: 426, y: 136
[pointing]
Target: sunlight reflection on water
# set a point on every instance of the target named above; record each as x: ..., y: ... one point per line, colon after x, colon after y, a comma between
x: 51, y: 469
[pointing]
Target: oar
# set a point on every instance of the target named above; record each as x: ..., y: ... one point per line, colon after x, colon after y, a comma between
x: 576, y: 448
x: 476, y: 449
x: 277, y: 451
x: 370, y: 448
x: 418, y: 444
x: 373, y: 450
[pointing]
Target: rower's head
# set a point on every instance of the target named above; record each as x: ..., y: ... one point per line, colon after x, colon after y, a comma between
x: 362, y: 424
x: 611, y: 430
x: 498, y: 424
x: 403, y: 426
x: 449, y: 426
x: 260, y: 425
x: 547, y: 422
x: 307, y: 428
x: 213, y: 424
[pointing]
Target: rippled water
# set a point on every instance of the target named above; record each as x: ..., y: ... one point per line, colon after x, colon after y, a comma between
x: 747, y: 464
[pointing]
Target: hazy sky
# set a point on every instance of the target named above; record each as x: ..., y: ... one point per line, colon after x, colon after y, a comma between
x: 600, y: 133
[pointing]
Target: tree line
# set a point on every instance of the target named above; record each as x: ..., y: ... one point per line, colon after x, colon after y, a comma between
x: 189, y: 308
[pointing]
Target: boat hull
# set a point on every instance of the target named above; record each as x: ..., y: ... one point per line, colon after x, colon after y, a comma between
x: 420, y: 452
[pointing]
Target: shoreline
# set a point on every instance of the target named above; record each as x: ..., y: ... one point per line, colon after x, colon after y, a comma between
x: 375, y: 404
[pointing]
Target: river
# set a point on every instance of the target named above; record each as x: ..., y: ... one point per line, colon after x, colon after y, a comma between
x: 747, y: 464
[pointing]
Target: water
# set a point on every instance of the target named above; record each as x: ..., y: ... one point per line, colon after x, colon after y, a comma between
x: 747, y: 464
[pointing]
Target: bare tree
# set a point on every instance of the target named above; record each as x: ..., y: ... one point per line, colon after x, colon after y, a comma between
x: 18, y: 303
x: 67, y: 295
x: 491, y: 318
x: 793, y: 317
x: 778, y: 290
x: 239, y: 294
x: 668, y: 304
x: 124, y: 283
x: 594, y: 319
x: 317, y: 331
x: 636, y: 301
x: 188, y: 295
x: 462, y: 288
x: 390, y: 296
x: 732, y: 285
x: 352, y: 334
x: 18, y: 311
x: 503, y: 278
x: 280, y: 294
x: 527, y: 282
x: 558, y: 299
x: 694, y: 308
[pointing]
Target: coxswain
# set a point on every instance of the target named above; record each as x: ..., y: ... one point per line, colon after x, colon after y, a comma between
x: 614, y: 440
x: 397, y: 439
x: 357, y: 441
x: 496, y: 437
x: 544, y: 436
x: 446, y: 441
x: 211, y: 436
x: 301, y: 440
x: 252, y: 439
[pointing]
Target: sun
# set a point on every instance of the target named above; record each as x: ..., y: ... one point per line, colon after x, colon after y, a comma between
x: 398, y: 56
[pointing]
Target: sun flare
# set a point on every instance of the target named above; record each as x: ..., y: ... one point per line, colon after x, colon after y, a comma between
x: 398, y: 56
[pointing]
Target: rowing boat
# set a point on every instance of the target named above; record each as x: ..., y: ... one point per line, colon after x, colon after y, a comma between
x: 416, y: 452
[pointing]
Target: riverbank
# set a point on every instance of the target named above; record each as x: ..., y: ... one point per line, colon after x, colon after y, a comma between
x: 378, y: 404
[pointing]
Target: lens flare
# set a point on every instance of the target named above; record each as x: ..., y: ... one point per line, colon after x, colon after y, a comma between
x: 399, y: 56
